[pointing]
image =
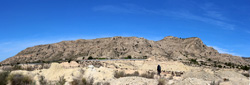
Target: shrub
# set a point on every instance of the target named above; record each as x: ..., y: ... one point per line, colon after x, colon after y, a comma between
x: 193, y: 61
x: 246, y: 74
x: 106, y: 83
x: 75, y: 82
x: 17, y: 67
x: 3, y: 78
x: 42, y: 81
x: 245, y: 68
x: 119, y: 74
x: 225, y: 79
x: 102, y: 83
x: 128, y: 57
x: 219, y: 66
x: 136, y: 73
x: 61, y: 81
x: 148, y: 75
x: 85, y: 82
x: 90, y: 58
x: 161, y: 81
x: 19, y: 79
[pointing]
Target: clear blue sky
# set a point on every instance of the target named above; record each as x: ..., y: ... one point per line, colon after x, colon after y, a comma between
x: 223, y: 24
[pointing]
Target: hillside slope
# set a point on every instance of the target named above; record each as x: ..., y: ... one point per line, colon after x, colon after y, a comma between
x: 119, y: 47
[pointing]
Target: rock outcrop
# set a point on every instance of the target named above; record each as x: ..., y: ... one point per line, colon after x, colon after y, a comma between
x: 119, y: 47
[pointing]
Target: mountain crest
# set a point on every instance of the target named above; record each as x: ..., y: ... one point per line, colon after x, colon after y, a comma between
x: 119, y: 47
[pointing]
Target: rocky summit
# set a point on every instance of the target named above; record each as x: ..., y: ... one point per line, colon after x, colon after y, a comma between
x: 169, y: 48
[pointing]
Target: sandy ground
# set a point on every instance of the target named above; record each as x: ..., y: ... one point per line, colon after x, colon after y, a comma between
x: 191, y: 75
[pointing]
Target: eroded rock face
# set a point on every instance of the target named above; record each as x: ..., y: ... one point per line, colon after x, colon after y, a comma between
x: 119, y: 47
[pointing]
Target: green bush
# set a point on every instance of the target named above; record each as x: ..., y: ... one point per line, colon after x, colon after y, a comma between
x: 128, y: 57
x: 245, y: 68
x: 3, y: 78
x: 193, y: 61
x: 19, y: 79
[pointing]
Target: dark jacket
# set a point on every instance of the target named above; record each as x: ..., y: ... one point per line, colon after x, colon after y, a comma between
x: 159, y: 68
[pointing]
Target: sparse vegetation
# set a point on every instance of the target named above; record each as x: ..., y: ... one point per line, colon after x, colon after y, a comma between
x: 85, y: 82
x: 61, y: 81
x: 3, y: 77
x: 90, y: 58
x: 148, y: 75
x: 19, y: 79
x: 225, y: 79
x: 75, y: 82
x: 119, y: 74
x: 193, y: 61
x: 219, y: 66
x: 103, y: 83
x: 245, y: 68
x: 161, y: 81
x: 246, y: 74
x: 17, y: 67
x: 42, y: 80
x: 128, y: 57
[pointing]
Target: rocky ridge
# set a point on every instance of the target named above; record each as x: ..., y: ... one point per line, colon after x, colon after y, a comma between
x: 120, y: 47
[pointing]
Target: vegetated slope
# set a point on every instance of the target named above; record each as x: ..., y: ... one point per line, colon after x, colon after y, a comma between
x: 247, y: 59
x: 119, y: 47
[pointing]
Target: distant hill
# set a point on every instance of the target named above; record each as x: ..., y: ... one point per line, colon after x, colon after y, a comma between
x: 120, y: 47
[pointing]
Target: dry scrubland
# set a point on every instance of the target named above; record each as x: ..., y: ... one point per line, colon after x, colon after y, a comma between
x: 125, y: 72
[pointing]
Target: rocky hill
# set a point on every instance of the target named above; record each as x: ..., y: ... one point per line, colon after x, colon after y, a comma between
x: 119, y: 47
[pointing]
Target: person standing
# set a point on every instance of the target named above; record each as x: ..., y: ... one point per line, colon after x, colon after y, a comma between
x: 159, y: 70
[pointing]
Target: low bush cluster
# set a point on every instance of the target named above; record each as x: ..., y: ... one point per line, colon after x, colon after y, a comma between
x: 119, y: 74
x: 19, y: 79
x: 85, y: 82
x: 3, y: 77
x: 148, y: 75
x: 61, y: 81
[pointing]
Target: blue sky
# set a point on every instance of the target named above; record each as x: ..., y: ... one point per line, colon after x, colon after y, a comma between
x: 222, y: 24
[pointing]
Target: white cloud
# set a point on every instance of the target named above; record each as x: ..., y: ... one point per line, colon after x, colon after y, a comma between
x: 210, y: 15
x: 191, y: 16
x: 226, y: 51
